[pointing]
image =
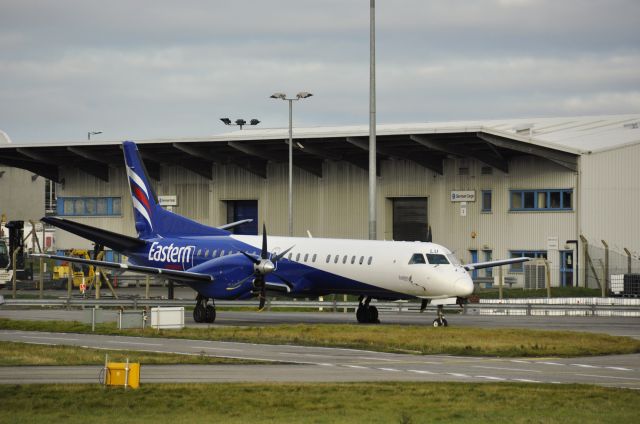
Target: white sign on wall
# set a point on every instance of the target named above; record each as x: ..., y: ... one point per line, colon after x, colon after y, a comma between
x: 552, y: 243
x: 168, y: 200
x: 463, y: 196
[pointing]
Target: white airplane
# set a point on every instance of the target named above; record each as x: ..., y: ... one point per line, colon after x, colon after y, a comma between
x: 221, y: 265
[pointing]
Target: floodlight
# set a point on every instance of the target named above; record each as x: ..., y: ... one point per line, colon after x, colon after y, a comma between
x: 254, y: 122
x: 303, y: 95
x: 240, y: 122
x: 279, y: 96
x: 226, y: 121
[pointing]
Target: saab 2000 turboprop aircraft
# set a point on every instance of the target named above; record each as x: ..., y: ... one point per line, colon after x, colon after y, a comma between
x: 221, y: 265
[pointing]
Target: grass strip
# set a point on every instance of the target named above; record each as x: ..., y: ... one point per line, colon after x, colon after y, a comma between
x: 320, y: 403
x: 384, y: 338
x: 12, y: 354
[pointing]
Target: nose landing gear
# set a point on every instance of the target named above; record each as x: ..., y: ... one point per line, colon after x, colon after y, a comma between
x: 440, y: 321
x: 367, y: 314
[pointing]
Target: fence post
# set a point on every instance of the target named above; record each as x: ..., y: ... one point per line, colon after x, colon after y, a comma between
x: 15, y: 270
x: 628, y: 260
x: 605, y: 279
x: 585, y: 255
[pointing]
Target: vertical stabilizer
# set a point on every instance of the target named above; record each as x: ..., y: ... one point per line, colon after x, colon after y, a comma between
x: 151, y: 219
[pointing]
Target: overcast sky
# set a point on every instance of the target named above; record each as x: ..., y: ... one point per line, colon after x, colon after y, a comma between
x: 161, y: 68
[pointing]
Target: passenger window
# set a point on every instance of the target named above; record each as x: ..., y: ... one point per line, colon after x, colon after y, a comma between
x: 437, y: 259
x: 306, y: 256
x: 353, y: 260
x: 290, y: 254
x: 213, y: 254
x: 335, y: 261
x: 370, y: 259
x: 206, y: 253
x: 344, y: 260
x: 199, y: 252
x: 222, y: 253
x: 328, y: 258
x: 417, y: 258
x: 298, y: 257
x: 361, y: 259
x: 314, y: 257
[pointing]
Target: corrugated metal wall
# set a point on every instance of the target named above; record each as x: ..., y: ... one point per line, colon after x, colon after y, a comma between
x: 21, y: 197
x: 610, y: 203
x: 336, y: 205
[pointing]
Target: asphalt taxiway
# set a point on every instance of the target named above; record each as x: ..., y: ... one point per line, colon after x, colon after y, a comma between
x: 320, y: 364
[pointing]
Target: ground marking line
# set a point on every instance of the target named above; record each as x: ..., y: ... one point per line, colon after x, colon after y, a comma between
x: 458, y: 374
x: 488, y: 377
x: 524, y: 380
x: 377, y: 359
x: 520, y: 362
x: 388, y: 369
x: 504, y: 369
x: 215, y: 348
x: 421, y: 371
x: 585, y: 366
x: 619, y: 368
x: 357, y: 367
x: 325, y: 365
x: 549, y: 363
x: 49, y: 338
x: 134, y: 343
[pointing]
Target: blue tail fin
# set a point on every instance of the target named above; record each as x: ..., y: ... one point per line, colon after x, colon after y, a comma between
x: 151, y: 219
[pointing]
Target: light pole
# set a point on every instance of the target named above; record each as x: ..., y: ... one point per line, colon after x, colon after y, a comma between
x: 239, y: 122
x: 282, y: 96
x: 90, y: 133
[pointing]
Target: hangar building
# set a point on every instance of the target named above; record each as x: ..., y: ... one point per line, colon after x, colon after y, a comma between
x: 485, y: 189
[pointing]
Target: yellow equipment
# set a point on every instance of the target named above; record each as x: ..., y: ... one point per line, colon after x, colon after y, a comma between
x: 84, y: 275
x: 122, y: 374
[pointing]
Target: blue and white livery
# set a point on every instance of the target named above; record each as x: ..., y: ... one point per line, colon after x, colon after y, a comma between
x: 220, y: 265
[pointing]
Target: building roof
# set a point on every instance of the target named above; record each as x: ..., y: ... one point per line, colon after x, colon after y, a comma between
x: 493, y: 142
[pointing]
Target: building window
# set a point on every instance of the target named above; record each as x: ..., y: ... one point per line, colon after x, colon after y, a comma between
x: 486, y: 170
x: 463, y: 170
x: 541, y: 200
x: 486, y: 200
x: 89, y: 206
x: 537, y: 254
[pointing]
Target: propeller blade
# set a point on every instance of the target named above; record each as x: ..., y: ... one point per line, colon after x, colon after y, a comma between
x: 284, y: 280
x: 263, y: 300
x: 251, y: 258
x: 264, y: 254
x: 240, y: 283
x: 280, y: 255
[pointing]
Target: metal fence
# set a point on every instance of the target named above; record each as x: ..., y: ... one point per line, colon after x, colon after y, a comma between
x: 512, y: 307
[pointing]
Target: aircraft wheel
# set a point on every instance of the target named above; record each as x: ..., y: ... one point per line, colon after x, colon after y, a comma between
x: 199, y: 313
x: 436, y: 323
x: 444, y: 322
x: 210, y: 314
x: 361, y: 315
x: 372, y: 315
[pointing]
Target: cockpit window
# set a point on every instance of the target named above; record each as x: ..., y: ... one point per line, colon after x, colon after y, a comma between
x: 417, y: 258
x: 452, y: 258
x: 435, y: 259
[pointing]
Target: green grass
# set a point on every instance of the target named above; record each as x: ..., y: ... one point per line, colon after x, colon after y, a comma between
x: 385, y: 338
x: 12, y: 354
x: 319, y: 403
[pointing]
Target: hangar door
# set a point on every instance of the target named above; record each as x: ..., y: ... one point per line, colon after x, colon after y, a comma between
x: 410, y: 221
x: 238, y: 210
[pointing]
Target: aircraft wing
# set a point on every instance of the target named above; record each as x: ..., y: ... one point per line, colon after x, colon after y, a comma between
x: 170, y: 273
x: 491, y: 264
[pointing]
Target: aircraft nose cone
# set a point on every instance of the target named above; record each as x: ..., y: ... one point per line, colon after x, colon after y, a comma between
x: 464, y: 286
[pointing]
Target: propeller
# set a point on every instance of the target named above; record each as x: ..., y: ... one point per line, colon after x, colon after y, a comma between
x: 263, y: 266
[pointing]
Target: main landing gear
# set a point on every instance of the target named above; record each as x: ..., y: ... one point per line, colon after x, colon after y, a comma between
x: 367, y: 314
x: 203, y: 312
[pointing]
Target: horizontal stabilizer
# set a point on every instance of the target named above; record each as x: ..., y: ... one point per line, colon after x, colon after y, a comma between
x: 491, y: 264
x: 169, y: 273
x: 115, y: 241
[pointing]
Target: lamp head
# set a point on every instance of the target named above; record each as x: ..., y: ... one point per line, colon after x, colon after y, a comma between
x: 254, y: 122
x: 226, y: 121
x: 303, y: 95
x: 279, y: 96
x: 240, y: 122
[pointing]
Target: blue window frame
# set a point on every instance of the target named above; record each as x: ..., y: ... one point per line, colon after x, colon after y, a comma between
x: 541, y: 200
x: 89, y: 206
x: 486, y: 200
x: 538, y: 254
